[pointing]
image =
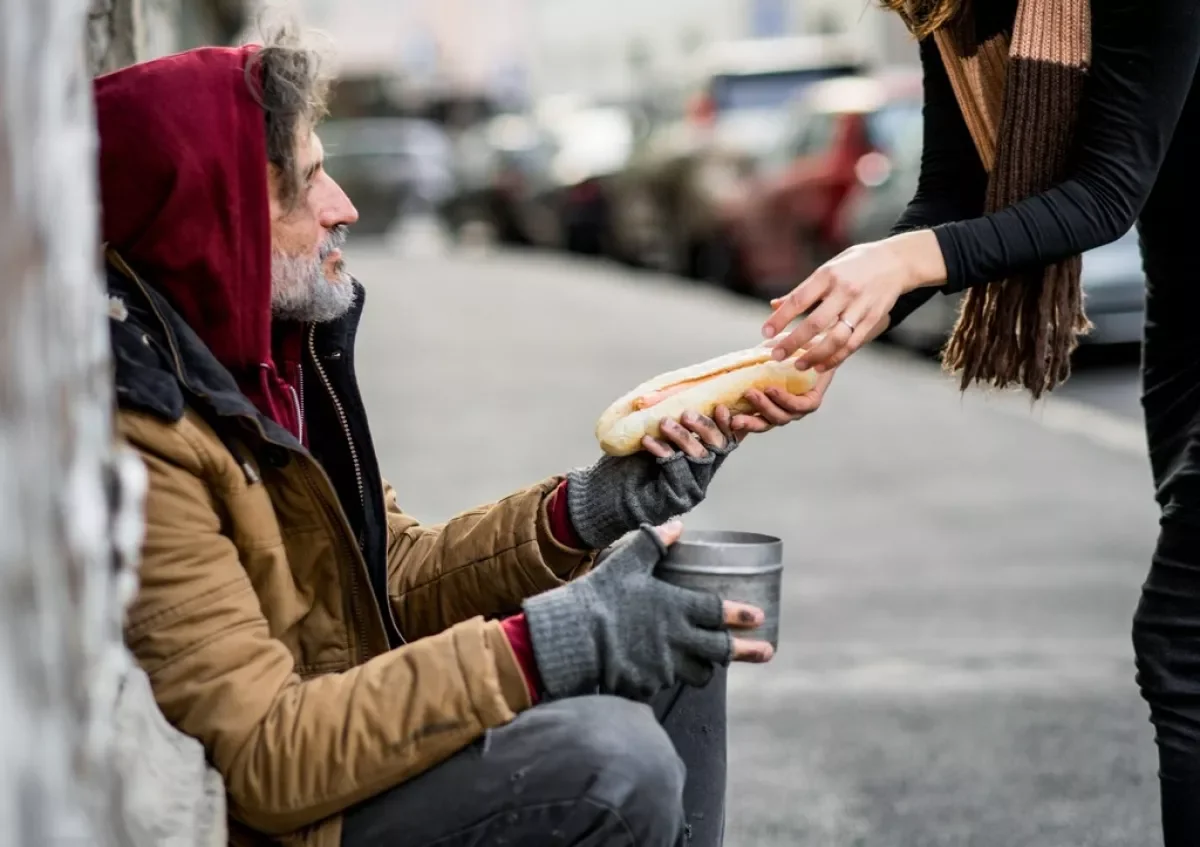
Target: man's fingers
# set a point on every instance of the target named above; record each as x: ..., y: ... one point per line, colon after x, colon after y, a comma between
x: 657, y: 448
x: 724, y: 421
x: 756, y: 652
x: 670, y: 532
x: 705, y: 428
x: 742, y: 615
x: 682, y: 438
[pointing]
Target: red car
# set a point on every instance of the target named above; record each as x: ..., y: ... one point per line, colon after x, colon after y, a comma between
x: 783, y: 221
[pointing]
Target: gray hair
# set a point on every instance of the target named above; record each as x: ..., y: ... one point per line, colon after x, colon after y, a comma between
x: 288, y: 77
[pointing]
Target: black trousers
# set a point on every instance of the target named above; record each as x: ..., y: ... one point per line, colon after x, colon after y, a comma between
x: 1166, y: 638
x: 584, y: 772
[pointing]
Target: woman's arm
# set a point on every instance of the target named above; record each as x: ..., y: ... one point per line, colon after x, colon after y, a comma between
x: 1144, y: 59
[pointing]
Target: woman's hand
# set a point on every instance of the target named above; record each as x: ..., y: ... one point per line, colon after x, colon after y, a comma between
x: 850, y: 297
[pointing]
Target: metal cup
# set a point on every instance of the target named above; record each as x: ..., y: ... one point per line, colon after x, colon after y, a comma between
x: 742, y: 566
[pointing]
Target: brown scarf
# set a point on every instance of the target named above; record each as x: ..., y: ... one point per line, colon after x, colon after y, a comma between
x: 1020, y: 98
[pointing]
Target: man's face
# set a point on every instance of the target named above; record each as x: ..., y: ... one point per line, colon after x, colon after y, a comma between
x: 308, y: 278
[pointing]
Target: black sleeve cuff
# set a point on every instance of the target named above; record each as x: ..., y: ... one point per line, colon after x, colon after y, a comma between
x: 909, y: 303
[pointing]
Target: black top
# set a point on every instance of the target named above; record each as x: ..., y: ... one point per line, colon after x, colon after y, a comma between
x: 1137, y: 159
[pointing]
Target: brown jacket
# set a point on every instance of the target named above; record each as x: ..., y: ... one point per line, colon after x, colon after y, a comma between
x: 256, y: 620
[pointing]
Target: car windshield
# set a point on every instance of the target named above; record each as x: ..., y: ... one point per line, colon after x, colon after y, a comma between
x: 766, y: 90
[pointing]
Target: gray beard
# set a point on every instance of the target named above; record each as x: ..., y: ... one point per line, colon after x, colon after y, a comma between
x: 299, y: 290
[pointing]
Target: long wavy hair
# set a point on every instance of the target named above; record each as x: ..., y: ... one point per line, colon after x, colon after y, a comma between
x: 923, y: 17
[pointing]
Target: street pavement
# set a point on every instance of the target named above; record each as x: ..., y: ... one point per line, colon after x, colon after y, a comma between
x: 954, y: 667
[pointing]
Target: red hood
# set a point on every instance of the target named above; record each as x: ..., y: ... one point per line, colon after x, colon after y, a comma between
x: 183, y: 192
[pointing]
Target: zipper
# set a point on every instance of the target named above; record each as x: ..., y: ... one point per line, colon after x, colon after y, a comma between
x: 300, y: 395
x: 299, y: 414
x: 342, y: 419
x: 340, y: 410
x: 334, y: 510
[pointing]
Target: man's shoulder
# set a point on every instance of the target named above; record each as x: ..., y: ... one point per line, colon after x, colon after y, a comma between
x: 188, y: 444
x: 143, y: 377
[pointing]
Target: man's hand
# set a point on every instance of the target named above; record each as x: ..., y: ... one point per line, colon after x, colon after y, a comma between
x: 776, y: 408
x: 623, y: 630
x: 693, y: 435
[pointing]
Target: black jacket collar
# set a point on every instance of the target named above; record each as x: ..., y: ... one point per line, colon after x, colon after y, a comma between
x: 162, y: 365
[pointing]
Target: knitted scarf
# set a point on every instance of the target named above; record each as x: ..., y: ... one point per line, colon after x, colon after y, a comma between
x: 1020, y: 96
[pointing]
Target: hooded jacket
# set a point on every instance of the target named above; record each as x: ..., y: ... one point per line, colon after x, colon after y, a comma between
x: 321, y: 644
x: 183, y: 152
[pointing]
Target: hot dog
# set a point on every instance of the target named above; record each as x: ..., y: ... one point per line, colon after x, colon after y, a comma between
x: 723, y: 380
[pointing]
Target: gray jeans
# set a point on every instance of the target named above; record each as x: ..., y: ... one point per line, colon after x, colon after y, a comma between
x: 591, y: 771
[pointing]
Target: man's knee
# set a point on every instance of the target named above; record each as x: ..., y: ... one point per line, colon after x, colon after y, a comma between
x: 634, y: 767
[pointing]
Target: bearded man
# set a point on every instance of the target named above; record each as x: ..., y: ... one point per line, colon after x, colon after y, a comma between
x: 356, y: 677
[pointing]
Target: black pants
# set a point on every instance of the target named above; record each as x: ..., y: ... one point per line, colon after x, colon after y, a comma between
x: 1166, y: 637
x: 585, y: 772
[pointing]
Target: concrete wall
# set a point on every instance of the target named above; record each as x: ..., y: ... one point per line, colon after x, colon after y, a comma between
x: 119, y: 30
x: 88, y: 758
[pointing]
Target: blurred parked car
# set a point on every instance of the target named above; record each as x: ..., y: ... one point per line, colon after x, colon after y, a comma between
x: 504, y: 179
x: 387, y: 166
x: 665, y: 203
x: 1113, y: 279
x: 778, y: 226
x: 593, y: 144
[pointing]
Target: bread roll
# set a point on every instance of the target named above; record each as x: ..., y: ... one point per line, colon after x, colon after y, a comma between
x: 723, y: 380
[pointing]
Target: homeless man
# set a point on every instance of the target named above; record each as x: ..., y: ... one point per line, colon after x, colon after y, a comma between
x: 355, y: 677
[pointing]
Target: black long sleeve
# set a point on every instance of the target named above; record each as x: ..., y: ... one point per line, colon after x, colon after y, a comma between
x: 1137, y: 158
x: 1144, y: 58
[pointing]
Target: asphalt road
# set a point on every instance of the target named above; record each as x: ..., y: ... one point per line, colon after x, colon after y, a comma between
x: 955, y: 664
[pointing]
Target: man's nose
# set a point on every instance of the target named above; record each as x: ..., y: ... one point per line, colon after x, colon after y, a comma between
x: 340, y: 212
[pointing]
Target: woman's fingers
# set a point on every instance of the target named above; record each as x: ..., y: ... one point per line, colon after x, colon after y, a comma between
x: 826, y: 347
x: 803, y: 297
x: 822, y: 321
x: 863, y: 331
x: 745, y: 425
x: 768, y: 409
x: 796, y: 405
x: 853, y: 328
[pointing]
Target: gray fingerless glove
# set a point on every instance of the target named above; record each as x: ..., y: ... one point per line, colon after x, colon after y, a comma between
x: 621, y: 630
x: 619, y: 493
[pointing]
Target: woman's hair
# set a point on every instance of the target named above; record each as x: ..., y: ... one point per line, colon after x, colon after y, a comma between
x: 288, y: 76
x: 923, y: 17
